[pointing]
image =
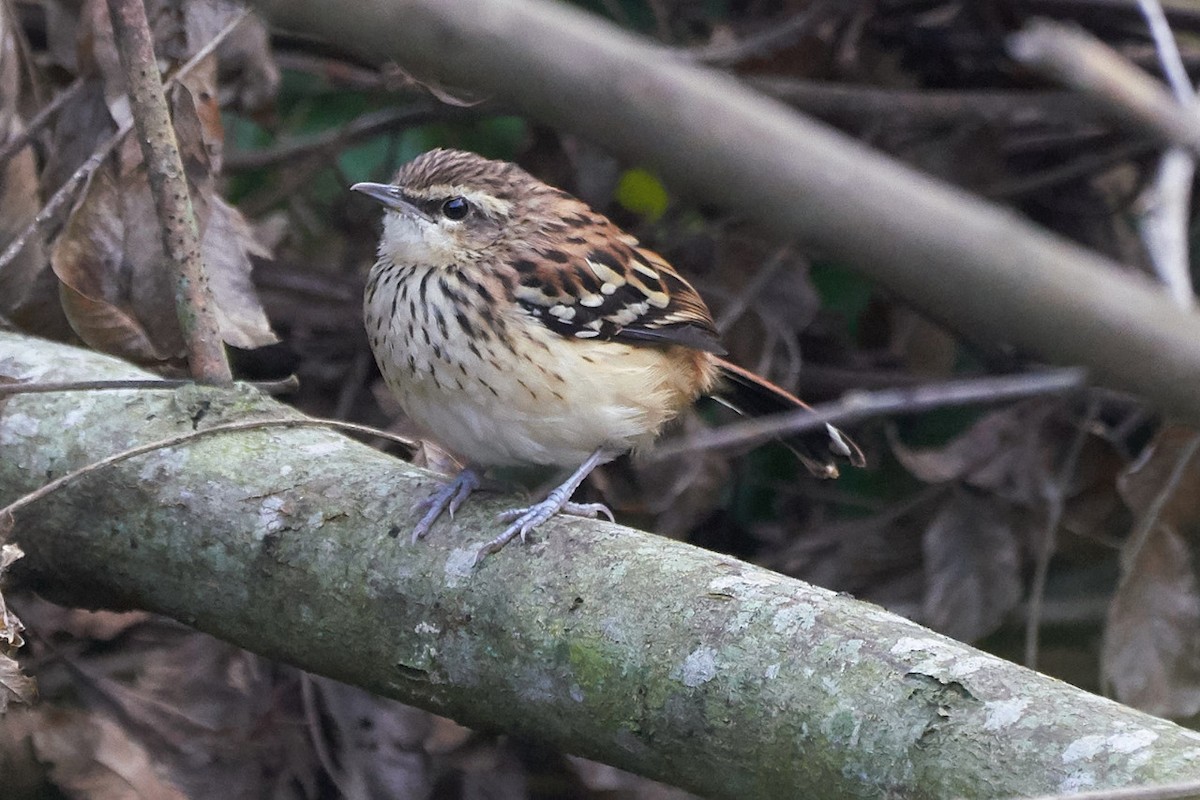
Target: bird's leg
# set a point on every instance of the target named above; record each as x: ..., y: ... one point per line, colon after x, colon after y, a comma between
x: 447, y: 498
x: 559, y: 500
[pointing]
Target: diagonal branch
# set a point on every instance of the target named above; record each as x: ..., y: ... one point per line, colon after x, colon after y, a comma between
x: 649, y: 654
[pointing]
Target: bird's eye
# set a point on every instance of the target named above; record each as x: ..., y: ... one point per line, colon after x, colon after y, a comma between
x: 456, y: 208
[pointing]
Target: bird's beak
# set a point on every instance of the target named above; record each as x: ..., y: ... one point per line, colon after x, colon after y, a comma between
x: 390, y: 197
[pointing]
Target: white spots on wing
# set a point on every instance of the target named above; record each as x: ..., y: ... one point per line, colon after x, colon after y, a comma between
x: 645, y: 271
x: 591, y: 300
x: 658, y: 299
x: 565, y: 313
x: 607, y: 275
x: 628, y: 314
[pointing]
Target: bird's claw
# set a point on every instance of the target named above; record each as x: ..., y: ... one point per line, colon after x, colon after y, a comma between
x: 591, y: 510
x: 527, y: 519
x: 449, y: 498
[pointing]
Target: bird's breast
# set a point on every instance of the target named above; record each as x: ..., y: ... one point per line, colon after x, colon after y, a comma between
x: 492, y: 384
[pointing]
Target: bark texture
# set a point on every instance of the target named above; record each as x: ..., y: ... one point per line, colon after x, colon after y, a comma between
x: 652, y: 655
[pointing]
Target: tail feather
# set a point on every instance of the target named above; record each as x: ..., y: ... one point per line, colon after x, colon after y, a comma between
x: 818, y: 450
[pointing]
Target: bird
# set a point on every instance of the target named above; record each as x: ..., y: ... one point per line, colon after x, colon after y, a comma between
x: 517, y: 326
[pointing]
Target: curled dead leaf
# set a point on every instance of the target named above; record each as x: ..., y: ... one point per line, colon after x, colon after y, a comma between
x: 14, y: 685
x: 972, y: 565
x: 1151, y: 653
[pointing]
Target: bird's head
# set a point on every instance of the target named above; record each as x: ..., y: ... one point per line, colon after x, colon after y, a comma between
x: 451, y: 207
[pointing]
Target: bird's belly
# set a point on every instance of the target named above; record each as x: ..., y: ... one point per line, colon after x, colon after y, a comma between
x: 512, y: 392
x: 528, y: 404
x: 498, y: 417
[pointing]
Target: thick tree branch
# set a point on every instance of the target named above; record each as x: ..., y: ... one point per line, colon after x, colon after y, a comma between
x: 959, y: 259
x: 646, y: 653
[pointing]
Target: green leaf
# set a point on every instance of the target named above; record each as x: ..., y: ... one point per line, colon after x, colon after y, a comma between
x: 642, y: 193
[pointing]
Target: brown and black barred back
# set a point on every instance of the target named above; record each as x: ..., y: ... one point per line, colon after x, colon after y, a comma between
x: 572, y: 268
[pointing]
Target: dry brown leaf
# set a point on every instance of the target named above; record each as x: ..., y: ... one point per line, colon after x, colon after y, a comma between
x: 1151, y: 654
x: 971, y: 566
x: 62, y: 26
x: 10, y: 626
x: 14, y: 685
x: 226, y: 246
x: 93, y: 758
x: 116, y: 291
x: 90, y: 258
x: 79, y: 128
x: 1141, y: 484
x: 1002, y: 453
x: 103, y: 626
x: 967, y: 453
x: 19, y: 195
x: 606, y: 781
x: 106, y: 328
x: 195, y: 694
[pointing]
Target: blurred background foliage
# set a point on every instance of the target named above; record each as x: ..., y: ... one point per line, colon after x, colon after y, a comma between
x: 1056, y: 530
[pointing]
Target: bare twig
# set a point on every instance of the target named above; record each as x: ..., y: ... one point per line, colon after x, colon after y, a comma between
x: 172, y: 199
x: 859, y: 406
x: 1056, y: 497
x: 1164, y: 223
x: 854, y: 104
x: 1083, y: 62
x: 1147, y: 522
x: 733, y: 311
x: 761, y: 44
x: 339, y: 72
x: 1166, y: 203
x: 365, y: 126
x: 1168, y: 51
x: 287, y: 384
x: 39, y: 120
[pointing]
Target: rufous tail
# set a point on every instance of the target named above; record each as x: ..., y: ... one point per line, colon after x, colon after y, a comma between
x: 819, y: 450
